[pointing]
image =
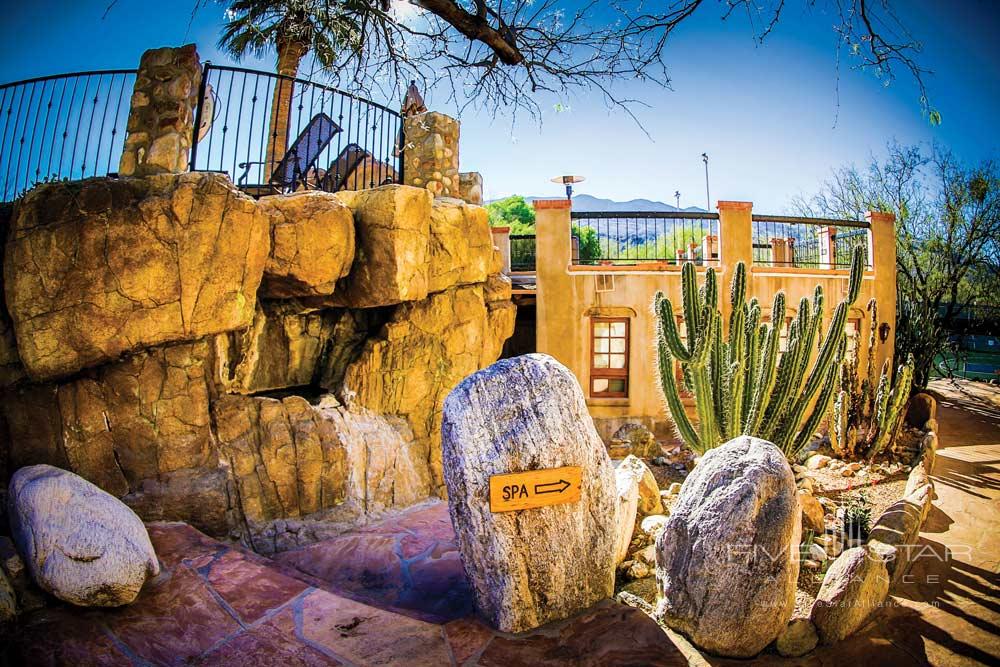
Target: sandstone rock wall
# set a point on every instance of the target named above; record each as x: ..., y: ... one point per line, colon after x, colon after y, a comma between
x: 97, y: 268
x: 252, y: 367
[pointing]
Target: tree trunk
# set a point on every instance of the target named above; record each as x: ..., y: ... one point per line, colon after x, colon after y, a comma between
x: 290, y: 54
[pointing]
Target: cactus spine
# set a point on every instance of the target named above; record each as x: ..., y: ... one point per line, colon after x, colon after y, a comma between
x: 739, y: 384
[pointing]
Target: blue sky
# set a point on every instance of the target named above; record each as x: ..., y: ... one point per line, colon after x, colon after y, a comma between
x: 767, y: 115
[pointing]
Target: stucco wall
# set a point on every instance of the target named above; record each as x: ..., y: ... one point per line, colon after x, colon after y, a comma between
x: 568, y: 297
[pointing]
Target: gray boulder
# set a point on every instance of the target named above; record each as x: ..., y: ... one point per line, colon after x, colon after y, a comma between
x: 855, y: 585
x: 80, y: 543
x: 528, y: 567
x: 726, y: 561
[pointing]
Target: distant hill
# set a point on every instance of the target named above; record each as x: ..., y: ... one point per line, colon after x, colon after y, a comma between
x: 592, y: 203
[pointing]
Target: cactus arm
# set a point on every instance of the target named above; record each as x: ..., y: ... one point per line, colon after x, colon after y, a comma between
x: 689, y: 292
x: 668, y: 385
x: 719, y: 374
x: 766, y: 371
x: 857, y: 274
x: 881, y: 405
x: 664, y: 312
x: 893, y: 412
x: 868, y: 392
x: 753, y: 346
x: 812, y: 423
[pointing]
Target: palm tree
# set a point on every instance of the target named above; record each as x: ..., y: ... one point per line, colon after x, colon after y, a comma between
x: 293, y: 28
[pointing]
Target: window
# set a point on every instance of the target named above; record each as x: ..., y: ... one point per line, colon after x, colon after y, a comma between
x: 609, y: 357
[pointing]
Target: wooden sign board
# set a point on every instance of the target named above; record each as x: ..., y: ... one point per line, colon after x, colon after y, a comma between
x: 535, y: 488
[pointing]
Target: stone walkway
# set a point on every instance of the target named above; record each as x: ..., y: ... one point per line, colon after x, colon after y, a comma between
x: 389, y: 594
x: 394, y: 594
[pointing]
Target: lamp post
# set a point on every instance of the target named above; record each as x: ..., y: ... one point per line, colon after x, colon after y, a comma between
x: 568, y: 181
x: 708, y: 197
x: 677, y: 196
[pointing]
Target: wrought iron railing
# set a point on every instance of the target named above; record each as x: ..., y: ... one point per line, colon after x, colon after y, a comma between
x: 275, y: 134
x: 67, y: 126
x: 822, y: 243
x: 631, y: 237
x: 522, y: 252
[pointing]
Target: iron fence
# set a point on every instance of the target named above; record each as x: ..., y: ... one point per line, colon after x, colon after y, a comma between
x: 62, y: 127
x: 631, y: 237
x: 788, y: 241
x: 522, y: 252
x: 275, y: 134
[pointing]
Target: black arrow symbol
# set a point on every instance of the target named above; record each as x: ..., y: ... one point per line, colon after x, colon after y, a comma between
x: 552, y: 487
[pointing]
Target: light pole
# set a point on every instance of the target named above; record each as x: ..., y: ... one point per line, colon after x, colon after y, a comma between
x: 677, y: 196
x: 708, y: 196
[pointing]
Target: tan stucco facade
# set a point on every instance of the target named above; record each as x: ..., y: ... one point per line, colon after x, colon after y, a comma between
x: 568, y: 296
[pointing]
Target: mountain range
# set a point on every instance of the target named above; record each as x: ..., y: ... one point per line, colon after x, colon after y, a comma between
x: 591, y: 203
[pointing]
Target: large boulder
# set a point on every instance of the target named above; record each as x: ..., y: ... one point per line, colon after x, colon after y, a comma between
x: 392, y: 227
x: 533, y: 566
x: 855, y: 585
x: 97, y: 268
x: 727, y: 557
x: 461, y: 245
x: 312, y: 244
x: 81, y: 544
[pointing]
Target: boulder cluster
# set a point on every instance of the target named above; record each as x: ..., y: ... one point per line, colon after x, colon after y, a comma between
x: 247, y: 366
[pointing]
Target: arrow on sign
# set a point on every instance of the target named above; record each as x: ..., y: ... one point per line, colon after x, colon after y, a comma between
x: 552, y: 487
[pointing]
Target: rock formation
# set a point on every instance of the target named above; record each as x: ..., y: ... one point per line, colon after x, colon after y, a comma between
x: 81, y: 544
x: 726, y: 560
x: 247, y: 366
x: 528, y: 567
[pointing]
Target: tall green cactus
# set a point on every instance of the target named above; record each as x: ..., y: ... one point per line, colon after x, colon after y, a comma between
x: 866, y: 416
x: 740, y: 385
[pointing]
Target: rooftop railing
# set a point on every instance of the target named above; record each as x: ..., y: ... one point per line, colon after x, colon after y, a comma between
x: 790, y: 241
x: 63, y: 127
x: 632, y: 237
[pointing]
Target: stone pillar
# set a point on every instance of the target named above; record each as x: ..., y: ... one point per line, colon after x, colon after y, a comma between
x: 735, y: 245
x: 430, y: 156
x: 501, y: 241
x: 161, y: 120
x: 692, y: 253
x: 882, y: 252
x: 779, y: 252
x: 556, y: 296
x: 681, y: 256
x: 470, y: 187
x: 827, y: 247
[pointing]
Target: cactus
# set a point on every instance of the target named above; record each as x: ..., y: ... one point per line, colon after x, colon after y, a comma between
x: 865, y: 416
x: 740, y: 385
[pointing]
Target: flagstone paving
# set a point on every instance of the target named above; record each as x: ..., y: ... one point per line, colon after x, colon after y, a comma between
x: 394, y: 593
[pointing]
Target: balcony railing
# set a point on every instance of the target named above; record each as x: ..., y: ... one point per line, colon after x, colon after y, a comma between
x: 786, y: 241
x: 633, y: 237
x: 63, y: 127
x: 275, y: 134
x: 522, y: 252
